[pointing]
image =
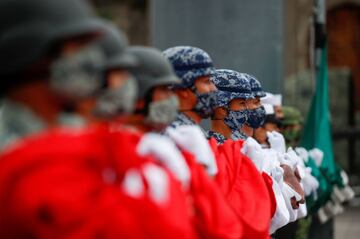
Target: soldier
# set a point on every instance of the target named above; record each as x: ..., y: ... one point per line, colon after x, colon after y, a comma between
x: 256, y: 112
x: 270, y: 124
x: 231, y: 106
x: 190, y: 63
x: 156, y: 108
x: 276, y: 101
x: 228, y: 82
x: 291, y: 125
x: 38, y: 48
x: 72, y: 183
x: 195, y: 92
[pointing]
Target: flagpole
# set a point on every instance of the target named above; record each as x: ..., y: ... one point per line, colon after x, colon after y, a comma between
x: 320, y: 30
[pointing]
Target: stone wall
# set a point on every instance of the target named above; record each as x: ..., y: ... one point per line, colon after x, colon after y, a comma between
x: 131, y: 16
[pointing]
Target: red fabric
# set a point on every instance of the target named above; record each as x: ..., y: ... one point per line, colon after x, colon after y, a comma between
x: 244, y: 189
x: 269, y: 183
x: 214, y: 218
x: 52, y: 186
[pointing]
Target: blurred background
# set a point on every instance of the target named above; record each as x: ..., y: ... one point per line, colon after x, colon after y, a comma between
x: 273, y: 40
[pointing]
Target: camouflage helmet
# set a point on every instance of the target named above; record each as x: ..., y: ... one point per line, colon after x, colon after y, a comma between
x: 255, y: 86
x: 189, y: 64
x: 153, y: 69
x: 114, y: 44
x: 230, y: 85
x: 292, y: 116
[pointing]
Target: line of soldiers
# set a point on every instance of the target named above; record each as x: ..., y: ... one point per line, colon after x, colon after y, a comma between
x: 102, y: 140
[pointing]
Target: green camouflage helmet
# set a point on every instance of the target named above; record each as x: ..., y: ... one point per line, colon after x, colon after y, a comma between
x: 292, y: 116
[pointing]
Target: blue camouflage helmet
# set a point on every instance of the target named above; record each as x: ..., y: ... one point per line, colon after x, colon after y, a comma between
x: 231, y: 85
x: 189, y: 63
x: 255, y: 86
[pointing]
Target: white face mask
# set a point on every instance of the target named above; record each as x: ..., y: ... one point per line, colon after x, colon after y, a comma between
x: 114, y: 101
x: 163, y: 112
x: 78, y: 75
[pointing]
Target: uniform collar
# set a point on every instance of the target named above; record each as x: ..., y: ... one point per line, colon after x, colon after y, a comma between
x: 17, y: 121
x: 220, y: 139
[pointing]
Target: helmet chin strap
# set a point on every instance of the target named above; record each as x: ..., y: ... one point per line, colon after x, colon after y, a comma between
x: 193, y: 90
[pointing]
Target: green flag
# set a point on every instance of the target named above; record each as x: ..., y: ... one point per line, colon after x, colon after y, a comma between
x: 317, y: 130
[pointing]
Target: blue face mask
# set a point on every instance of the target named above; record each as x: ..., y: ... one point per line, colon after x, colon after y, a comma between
x: 235, y: 119
x: 204, y: 105
x: 256, y: 117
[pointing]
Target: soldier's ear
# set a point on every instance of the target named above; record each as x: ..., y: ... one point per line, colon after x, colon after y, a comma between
x: 223, y: 112
x: 220, y: 113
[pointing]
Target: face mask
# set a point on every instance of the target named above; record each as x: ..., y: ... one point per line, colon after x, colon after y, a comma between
x: 256, y: 117
x: 113, y: 101
x: 78, y: 75
x: 235, y: 119
x: 204, y: 105
x: 163, y: 112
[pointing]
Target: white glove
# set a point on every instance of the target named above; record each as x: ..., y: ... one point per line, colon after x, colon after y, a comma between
x: 158, y: 183
x: 303, y: 153
x: 192, y: 139
x: 348, y: 192
x: 132, y: 184
x: 333, y: 208
x: 288, y: 193
x: 252, y: 149
x: 164, y: 150
x: 276, y: 141
x: 281, y: 216
x: 277, y: 173
x: 342, y: 194
x: 310, y: 182
x: 302, y: 211
x: 290, y: 158
x: 271, y: 161
x: 317, y: 155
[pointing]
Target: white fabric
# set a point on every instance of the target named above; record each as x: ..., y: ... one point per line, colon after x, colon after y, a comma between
x: 192, y: 139
x: 288, y: 193
x: 158, y: 182
x: 348, y: 192
x: 323, y: 217
x: 290, y: 158
x: 271, y: 161
x: 333, y: 208
x: 344, y: 177
x: 269, y: 109
x: 303, y: 153
x: 302, y: 211
x: 301, y: 171
x: 271, y: 99
x: 133, y: 184
x: 165, y: 150
x: 281, y: 216
x: 317, y: 155
x: 337, y: 195
x: 276, y: 141
x: 252, y: 149
x: 310, y: 183
x: 278, y: 100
